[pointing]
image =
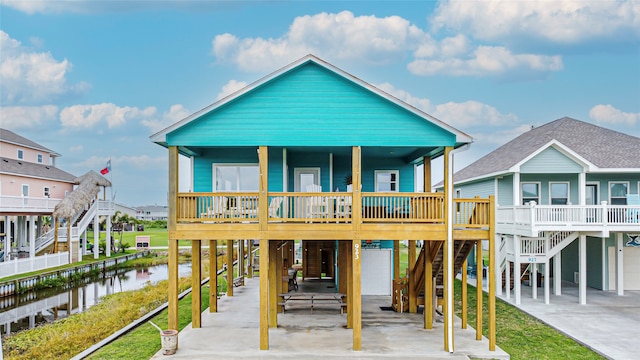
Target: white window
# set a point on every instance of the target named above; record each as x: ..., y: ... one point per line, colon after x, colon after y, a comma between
x: 236, y: 177
x: 39, y: 158
x: 559, y: 193
x: 618, y: 191
x: 25, y: 190
x: 20, y: 154
x: 530, y: 192
x: 387, y: 180
x: 46, y: 191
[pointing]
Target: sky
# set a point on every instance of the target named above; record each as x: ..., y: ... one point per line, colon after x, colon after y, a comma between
x: 93, y: 79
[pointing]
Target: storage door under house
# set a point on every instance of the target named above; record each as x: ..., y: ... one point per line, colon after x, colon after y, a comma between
x: 376, y: 271
x: 631, y: 266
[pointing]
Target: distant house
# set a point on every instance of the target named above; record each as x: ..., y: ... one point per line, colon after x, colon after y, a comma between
x: 567, y: 207
x: 152, y: 212
x: 313, y: 153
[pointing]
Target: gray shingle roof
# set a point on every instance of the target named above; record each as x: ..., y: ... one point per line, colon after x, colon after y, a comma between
x: 602, y: 147
x: 24, y: 168
x: 13, y: 138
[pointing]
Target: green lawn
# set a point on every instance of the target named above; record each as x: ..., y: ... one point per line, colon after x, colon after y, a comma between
x: 158, y: 237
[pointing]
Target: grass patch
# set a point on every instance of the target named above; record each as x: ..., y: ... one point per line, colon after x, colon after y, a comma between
x: 521, y: 335
x: 145, y: 337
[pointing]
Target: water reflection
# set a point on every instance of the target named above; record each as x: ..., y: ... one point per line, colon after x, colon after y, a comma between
x: 31, y: 309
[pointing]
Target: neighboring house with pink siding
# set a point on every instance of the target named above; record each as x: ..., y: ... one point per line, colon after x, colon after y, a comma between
x: 30, y: 187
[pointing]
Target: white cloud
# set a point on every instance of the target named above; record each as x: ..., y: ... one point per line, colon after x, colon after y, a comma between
x: 27, y: 117
x: 566, y: 22
x: 607, y: 114
x: 485, y: 61
x: 31, y: 77
x: 460, y: 115
x: 122, y: 162
x: 87, y: 116
x: 231, y: 87
x: 176, y: 113
x: 76, y: 149
x: 329, y: 35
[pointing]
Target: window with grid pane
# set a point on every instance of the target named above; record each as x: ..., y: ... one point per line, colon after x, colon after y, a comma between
x: 387, y: 180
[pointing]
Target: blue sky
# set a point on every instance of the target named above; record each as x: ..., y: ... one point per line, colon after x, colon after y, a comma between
x: 92, y: 80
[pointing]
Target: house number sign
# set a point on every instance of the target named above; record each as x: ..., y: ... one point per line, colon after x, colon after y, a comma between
x: 356, y: 253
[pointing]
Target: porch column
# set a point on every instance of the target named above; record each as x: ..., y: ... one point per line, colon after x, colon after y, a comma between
x: 507, y: 279
x: 463, y: 293
x: 557, y: 274
x: 448, y: 252
x: 264, y: 294
x: 533, y: 282
x: 108, y: 234
x: 413, y: 296
x: 356, y: 294
x: 428, y: 285
x: 250, y: 259
x: 491, y: 273
x: 396, y: 259
x: 32, y: 237
x: 516, y: 268
x: 172, y: 222
x: 619, y: 265
x: 229, y: 267
x: 196, y: 276
x: 96, y: 237
x: 213, y: 276
x: 479, y: 271
x: 546, y: 281
x: 583, y: 269
x: 582, y: 188
x: 7, y: 238
x: 426, y: 173
x: 273, y: 286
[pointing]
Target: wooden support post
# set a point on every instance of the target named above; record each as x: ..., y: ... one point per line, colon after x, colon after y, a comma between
x: 196, y: 277
x: 213, y: 276
x: 229, y: 267
x: 447, y: 254
x: 264, y: 294
x: 173, y: 242
x: 241, y: 260
x: 396, y: 260
x: 428, y: 286
x: 356, y: 302
x: 426, y: 172
x: 463, y: 295
x: 491, y: 274
x: 349, y: 285
x: 479, y: 272
x: 342, y: 266
x: 250, y: 259
x: 413, y: 294
x: 279, y: 278
x: 273, y: 284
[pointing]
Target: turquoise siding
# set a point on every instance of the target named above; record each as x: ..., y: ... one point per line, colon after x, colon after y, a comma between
x: 603, y: 180
x: 550, y: 161
x: 310, y: 106
x: 483, y: 189
x: 203, y: 164
x: 544, y: 181
x: 505, y: 191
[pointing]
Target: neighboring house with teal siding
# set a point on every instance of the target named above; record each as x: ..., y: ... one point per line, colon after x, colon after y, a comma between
x: 567, y: 207
x: 315, y: 154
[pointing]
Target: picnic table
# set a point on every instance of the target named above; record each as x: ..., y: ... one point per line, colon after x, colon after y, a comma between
x: 314, y: 299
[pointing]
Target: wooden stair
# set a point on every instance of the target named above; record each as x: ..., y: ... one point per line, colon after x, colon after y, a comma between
x: 524, y: 275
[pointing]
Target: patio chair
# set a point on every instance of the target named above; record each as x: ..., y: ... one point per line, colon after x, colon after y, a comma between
x: 633, y: 214
x: 274, y: 206
x: 219, y: 208
x: 316, y: 206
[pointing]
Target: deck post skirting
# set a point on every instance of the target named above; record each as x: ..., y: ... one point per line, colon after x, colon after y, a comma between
x: 173, y: 242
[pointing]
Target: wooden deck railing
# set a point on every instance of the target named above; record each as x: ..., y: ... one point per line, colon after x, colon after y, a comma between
x: 328, y: 207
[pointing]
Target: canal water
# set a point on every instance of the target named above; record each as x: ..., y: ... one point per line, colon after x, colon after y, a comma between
x: 31, y: 309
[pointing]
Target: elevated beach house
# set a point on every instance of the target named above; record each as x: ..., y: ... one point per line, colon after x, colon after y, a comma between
x: 567, y: 208
x: 315, y: 154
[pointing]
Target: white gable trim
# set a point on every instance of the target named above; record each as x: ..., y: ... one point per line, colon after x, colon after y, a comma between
x: 587, y: 166
x: 160, y: 137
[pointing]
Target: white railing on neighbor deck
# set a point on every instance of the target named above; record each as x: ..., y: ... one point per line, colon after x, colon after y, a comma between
x: 26, y: 203
x: 534, y: 215
x: 20, y: 266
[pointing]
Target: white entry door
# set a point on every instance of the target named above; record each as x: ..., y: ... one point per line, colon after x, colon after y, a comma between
x: 376, y: 271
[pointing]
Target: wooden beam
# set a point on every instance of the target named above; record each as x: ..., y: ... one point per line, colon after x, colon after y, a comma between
x: 428, y: 285
x: 173, y: 242
x: 250, y: 259
x: 448, y: 327
x: 263, y: 188
x: 396, y: 259
x: 349, y: 285
x: 279, y: 288
x: 426, y: 173
x: 273, y: 293
x: 229, y: 267
x: 213, y: 276
x: 479, y: 290
x: 413, y: 294
x: 241, y: 260
x: 264, y: 294
x: 356, y: 302
x: 463, y: 315
x: 196, y: 277
x: 491, y: 274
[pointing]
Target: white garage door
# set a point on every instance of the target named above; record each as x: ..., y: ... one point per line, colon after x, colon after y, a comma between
x: 631, y: 267
x: 376, y: 271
